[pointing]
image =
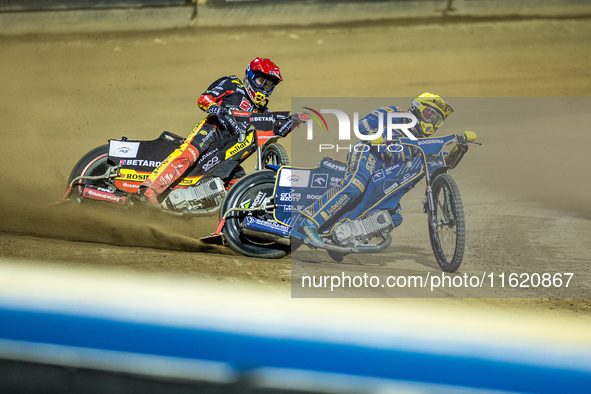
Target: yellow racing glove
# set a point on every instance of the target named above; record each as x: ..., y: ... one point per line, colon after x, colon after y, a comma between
x: 378, y: 141
x: 470, y: 135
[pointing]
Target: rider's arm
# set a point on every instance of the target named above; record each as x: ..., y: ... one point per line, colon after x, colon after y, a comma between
x: 214, y: 94
x: 388, y: 151
x: 210, y: 101
x: 370, y: 123
x: 453, y: 158
x: 285, y: 124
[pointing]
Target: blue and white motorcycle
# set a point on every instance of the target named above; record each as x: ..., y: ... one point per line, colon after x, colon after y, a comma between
x: 257, y: 213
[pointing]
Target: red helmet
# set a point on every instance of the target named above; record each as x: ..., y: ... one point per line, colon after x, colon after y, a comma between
x: 262, y: 75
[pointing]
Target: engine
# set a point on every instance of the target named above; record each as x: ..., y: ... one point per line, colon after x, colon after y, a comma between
x: 206, y: 195
x: 363, y: 229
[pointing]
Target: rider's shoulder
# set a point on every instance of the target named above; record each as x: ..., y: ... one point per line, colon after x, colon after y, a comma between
x: 225, y: 81
x: 391, y: 108
x: 383, y: 110
x: 234, y: 79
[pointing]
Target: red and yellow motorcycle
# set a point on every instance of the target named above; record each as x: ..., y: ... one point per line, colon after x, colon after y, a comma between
x: 110, y: 172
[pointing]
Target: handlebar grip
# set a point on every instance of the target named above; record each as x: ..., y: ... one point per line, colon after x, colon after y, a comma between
x: 462, y: 139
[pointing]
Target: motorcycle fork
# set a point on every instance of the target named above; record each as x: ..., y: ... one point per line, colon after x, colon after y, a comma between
x: 429, y: 206
x: 259, y: 165
x: 429, y: 203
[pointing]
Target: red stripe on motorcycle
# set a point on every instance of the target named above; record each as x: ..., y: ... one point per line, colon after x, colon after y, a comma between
x: 241, y: 113
x: 128, y: 186
x: 103, y: 196
x: 263, y: 136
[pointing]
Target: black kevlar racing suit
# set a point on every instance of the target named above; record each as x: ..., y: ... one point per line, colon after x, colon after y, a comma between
x: 227, y: 92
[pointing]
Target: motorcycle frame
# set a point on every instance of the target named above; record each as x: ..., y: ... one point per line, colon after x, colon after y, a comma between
x: 395, y: 195
x: 260, y: 138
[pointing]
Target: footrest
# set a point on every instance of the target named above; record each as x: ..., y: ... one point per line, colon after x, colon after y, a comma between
x: 215, y: 239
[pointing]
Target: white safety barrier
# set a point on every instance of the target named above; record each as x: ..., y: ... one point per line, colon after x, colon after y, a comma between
x: 178, y: 330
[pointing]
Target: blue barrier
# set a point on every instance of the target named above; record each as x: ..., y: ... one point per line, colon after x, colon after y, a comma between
x: 240, y: 353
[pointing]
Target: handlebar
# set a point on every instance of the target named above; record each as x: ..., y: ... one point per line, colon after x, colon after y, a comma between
x: 462, y: 139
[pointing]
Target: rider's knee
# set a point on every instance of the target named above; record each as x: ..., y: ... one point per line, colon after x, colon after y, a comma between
x: 397, y: 217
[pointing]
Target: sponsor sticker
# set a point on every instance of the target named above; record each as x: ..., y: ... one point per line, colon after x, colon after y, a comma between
x: 239, y: 146
x: 103, y: 196
x: 140, y: 163
x: 294, y: 178
x: 245, y: 105
x: 211, y: 163
x: 289, y: 197
x: 430, y: 141
x: 319, y: 180
x: 127, y: 149
x: 333, y: 166
x: 266, y: 225
x: 378, y: 175
x: 391, y: 188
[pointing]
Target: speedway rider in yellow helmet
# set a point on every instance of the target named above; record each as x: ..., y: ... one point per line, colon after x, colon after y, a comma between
x: 430, y: 110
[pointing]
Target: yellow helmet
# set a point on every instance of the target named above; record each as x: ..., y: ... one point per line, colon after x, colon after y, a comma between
x: 430, y: 110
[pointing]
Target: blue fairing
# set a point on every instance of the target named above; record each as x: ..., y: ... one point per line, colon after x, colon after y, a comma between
x: 297, y: 188
x: 431, y: 145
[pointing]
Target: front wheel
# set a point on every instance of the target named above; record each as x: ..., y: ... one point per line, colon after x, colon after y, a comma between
x: 448, y: 234
x: 275, y: 154
x: 250, y: 190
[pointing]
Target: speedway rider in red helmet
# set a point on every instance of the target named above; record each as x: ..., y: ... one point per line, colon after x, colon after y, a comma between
x: 226, y: 93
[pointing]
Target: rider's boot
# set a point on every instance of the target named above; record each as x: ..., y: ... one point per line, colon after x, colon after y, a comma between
x: 147, y: 194
x: 305, y: 228
x: 396, y: 216
x: 169, y: 171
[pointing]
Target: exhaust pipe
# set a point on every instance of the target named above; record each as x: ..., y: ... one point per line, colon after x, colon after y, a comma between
x: 264, y: 236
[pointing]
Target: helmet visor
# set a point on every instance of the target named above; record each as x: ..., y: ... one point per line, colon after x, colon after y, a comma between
x: 262, y: 83
x: 429, y: 115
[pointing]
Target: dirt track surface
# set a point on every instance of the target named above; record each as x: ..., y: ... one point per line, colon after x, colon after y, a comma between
x: 66, y: 94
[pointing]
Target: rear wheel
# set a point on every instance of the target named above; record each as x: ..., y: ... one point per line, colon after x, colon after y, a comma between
x: 448, y: 236
x: 252, y: 188
x: 94, y: 163
x: 275, y: 154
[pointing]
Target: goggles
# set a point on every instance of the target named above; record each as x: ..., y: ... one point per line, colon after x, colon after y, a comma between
x: 264, y: 84
x: 429, y: 115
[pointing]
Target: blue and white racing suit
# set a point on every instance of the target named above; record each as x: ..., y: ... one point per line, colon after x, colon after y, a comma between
x: 363, y: 160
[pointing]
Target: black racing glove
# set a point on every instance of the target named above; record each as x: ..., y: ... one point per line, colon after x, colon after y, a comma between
x: 235, y: 126
x: 284, y: 126
x: 225, y: 118
x: 216, y: 110
x: 239, y: 129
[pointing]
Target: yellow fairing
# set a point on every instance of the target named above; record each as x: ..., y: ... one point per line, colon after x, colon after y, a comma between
x: 136, y: 176
x: 239, y: 146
